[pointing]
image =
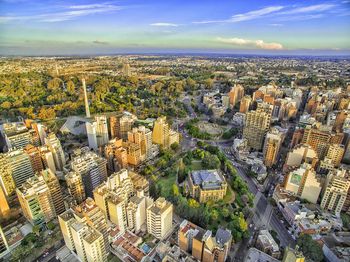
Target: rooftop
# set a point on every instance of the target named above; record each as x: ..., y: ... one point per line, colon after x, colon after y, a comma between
x: 207, y: 179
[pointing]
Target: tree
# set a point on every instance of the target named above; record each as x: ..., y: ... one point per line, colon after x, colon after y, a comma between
x: 192, y: 203
x: 174, y: 146
x: 36, y: 230
x: 50, y: 225
x: 175, y: 190
x: 70, y: 87
x: 47, y: 113
x: 310, y: 248
x: 210, y: 161
x: 6, y: 105
x: 54, y: 84
x: 214, y: 214
x: 242, y: 223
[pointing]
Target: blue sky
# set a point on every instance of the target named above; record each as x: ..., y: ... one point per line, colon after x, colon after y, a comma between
x: 237, y: 26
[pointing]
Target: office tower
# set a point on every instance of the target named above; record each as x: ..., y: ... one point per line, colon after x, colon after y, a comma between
x: 91, y: 133
x: 86, y: 101
x: 205, y: 185
x: 273, y: 142
x: 293, y: 255
x: 116, y: 155
x: 319, y: 137
x: 89, y: 213
x: 245, y: 104
x: 35, y: 157
x: 143, y: 137
x: 336, y: 190
x: 47, y: 158
x: 54, y: 145
x: 236, y: 93
x: 126, y: 69
x: 256, y: 125
x: 160, y: 133
x: 53, y: 185
x: 17, y: 136
x: 20, y: 166
x: 335, y: 154
x: 136, y: 213
x: 6, y: 179
x: 101, y: 130
x: 121, y: 125
x: 92, y: 168
x: 133, y: 153
x: 202, y: 245
x: 160, y: 218
x: 81, y: 235
x: 36, y: 201
x: 75, y: 186
x: 304, y: 183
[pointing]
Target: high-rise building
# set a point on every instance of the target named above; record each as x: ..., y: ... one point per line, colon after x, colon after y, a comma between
x: 271, y: 148
x: 55, y: 189
x: 18, y: 164
x: 4, y: 206
x: 84, y: 231
x: 319, y: 137
x: 136, y: 212
x: 101, y: 130
x: 202, y: 245
x: 133, y: 151
x: 47, y: 158
x: 92, y: 168
x: 75, y: 186
x: 245, y: 104
x: 17, y: 136
x: 116, y: 155
x: 160, y: 133
x: 236, y: 93
x: 336, y: 190
x: 256, y: 125
x: 36, y: 201
x: 91, y: 127
x: 121, y: 125
x: 335, y: 154
x: 35, y: 157
x: 304, y: 183
x: 302, y: 153
x: 143, y: 137
x: 160, y: 218
x: 54, y: 145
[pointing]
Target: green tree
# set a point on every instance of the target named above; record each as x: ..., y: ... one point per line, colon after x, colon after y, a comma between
x: 36, y: 230
x: 310, y: 248
x: 70, y: 88
x: 175, y: 190
x: 210, y: 161
x: 174, y: 146
x: 6, y: 105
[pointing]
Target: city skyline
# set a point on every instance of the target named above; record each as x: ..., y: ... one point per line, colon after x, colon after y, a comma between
x: 108, y: 27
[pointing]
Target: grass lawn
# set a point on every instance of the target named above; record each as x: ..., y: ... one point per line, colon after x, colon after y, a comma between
x: 165, y: 184
x: 196, y: 165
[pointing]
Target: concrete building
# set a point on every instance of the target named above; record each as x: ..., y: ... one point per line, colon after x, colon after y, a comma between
x: 160, y: 218
x: 256, y: 125
x: 267, y: 244
x: 336, y: 190
x: 101, y: 130
x: 160, y: 133
x: 141, y: 136
x: 236, y: 94
x: 91, y: 133
x: 245, y: 104
x: 205, y: 185
x: 302, y: 153
x: 47, y: 158
x: 271, y: 148
x: 17, y: 135
x: 304, y: 183
x: 136, y: 213
x: 121, y: 125
x: 54, y: 145
x: 35, y: 157
x: 92, y: 168
x: 202, y: 245
x: 36, y: 201
x: 18, y: 164
x: 75, y: 186
x: 335, y: 153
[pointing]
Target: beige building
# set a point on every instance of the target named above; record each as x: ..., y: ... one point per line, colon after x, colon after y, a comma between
x: 236, y: 93
x: 335, y: 154
x: 245, y: 104
x: 121, y: 125
x: 101, y: 130
x: 141, y: 136
x: 160, y: 218
x: 54, y: 145
x: 336, y: 190
x: 256, y: 125
x: 205, y: 185
x: 304, y: 183
x: 302, y: 153
x: 35, y: 157
x: 162, y: 134
x: 202, y: 245
x: 75, y: 186
x: 271, y: 148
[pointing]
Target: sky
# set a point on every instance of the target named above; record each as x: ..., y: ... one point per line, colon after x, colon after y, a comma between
x: 47, y: 27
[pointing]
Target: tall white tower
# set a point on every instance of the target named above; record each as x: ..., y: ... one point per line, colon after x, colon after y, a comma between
x: 87, y: 110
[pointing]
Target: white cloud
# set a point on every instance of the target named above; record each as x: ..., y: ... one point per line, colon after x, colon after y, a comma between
x: 251, y: 43
x: 255, y: 14
x: 308, y: 9
x: 164, y: 24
